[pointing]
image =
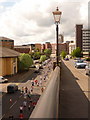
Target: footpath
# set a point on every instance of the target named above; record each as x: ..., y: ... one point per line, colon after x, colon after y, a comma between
x: 73, y: 102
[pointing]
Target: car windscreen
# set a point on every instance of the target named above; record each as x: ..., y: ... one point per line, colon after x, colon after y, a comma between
x: 80, y: 61
x: 10, y: 86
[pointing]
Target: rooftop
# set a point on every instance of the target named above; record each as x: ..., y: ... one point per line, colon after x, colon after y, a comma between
x: 6, y: 52
x: 5, y: 38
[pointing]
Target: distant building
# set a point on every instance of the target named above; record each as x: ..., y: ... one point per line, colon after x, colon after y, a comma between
x: 38, y: 45
x: 79, y: 35
x: 6, y: 42
x: 42, y: 47
x: 86, y: 42
x: 61, y: 38
x: 32, y: 47
x: 48, y: 45
x: 61, y: 47
x: 8, y: 61
x: 22, y: 48
x: 72, y: 46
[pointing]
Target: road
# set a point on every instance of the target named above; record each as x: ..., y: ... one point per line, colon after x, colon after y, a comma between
x: 12, y: 108
x: 74, y: 92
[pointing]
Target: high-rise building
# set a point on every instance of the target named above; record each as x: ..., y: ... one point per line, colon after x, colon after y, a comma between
x: 79, y: 35
x: 61, y: 38
x: 86, y: 41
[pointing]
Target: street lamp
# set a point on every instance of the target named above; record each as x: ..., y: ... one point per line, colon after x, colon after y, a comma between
x: 57, y: 16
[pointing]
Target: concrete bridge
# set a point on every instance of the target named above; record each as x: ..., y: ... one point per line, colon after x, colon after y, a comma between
x: 63, y: 98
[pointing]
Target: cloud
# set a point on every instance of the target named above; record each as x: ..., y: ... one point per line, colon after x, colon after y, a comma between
x: 28, y: 21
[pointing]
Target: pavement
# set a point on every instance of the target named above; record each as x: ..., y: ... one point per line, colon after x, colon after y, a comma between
x: 73, y: 101
x: 20, y: 77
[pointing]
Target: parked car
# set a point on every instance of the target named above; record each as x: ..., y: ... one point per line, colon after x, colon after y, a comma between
x: 41, y: 67
x: 36, y: 70
x: 3, y: 80
x: 66, y: 58
x: 80, y: 64
x: 44, y: 63
x: 33, y: 66
x: 77, y: 58
x: 11, y: 88
x: 87, y: 69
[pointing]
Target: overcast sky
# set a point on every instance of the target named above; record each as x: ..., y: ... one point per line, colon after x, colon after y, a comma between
x: 31, y: 21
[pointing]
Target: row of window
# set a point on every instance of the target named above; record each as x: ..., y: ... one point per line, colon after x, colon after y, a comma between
x: 86, y: 42
x: 86, y: 32
x: 7, y: 40
x: 86, y: 37
x: 85, y: 50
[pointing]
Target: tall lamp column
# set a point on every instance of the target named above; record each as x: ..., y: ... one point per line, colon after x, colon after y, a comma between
x: 57, y: 15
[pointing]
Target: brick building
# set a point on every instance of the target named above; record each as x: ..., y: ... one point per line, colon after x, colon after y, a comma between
x: 61, y: 47
x: 79, y: 35
x: 38, y: 45
x: 22, y: 48
x: 48, y: 45
x: 6, y: 42
x: 42, y: 47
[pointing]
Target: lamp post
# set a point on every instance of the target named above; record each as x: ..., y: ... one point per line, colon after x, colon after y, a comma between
x: 57, y: 16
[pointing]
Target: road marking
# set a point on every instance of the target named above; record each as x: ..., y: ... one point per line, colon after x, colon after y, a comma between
x: 2, y: 116
x: 82, y: 73
x: 13, y: 104
x: 20, y: 96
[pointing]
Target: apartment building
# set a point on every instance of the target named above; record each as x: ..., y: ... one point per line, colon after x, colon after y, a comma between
x: 86, y: 42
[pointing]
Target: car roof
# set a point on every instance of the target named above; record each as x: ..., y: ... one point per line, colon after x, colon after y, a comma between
x: 12, y: 85
x: 1, y: 76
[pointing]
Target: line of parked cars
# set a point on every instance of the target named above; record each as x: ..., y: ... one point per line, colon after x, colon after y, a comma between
x: 39, y: 66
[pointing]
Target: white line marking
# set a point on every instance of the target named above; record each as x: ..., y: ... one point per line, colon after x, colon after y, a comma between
x: 13, y: 104
x: 2, y: 116
x: 20, y: 96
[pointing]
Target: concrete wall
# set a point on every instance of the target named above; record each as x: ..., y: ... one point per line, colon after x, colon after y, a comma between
x: 48, y: 104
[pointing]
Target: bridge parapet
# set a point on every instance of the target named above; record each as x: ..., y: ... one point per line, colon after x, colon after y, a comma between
x: 47, y: 106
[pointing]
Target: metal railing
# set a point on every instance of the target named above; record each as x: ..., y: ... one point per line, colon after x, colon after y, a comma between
x: 48, y: 104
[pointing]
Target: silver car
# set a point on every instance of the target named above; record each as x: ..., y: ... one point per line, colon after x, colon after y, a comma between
x: 80, y: 64
x: 87, y: 69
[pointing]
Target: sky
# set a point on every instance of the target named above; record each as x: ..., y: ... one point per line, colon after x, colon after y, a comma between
x: 31, y: 21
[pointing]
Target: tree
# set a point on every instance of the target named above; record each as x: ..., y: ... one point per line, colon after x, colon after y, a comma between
x: 25, y: 61
x: 76, y: 52
x: 63, y: 54
x: 43, y: 58
x: 36, y: 55
x: 47, y: 52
